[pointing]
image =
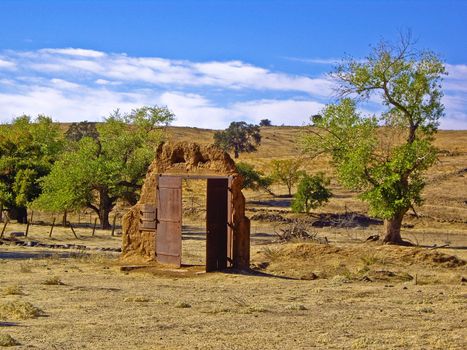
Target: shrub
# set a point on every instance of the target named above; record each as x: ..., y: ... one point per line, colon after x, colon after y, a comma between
x: 311, y: 193
x: 253, y: 179
x: 19, y: 310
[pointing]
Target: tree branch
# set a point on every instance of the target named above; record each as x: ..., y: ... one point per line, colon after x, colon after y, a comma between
x: 91, y: 206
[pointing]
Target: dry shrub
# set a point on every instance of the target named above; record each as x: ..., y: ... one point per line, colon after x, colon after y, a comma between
x: 297, y: 230
x: 296, y: 307
x: 272, y: 253
x: 13, y: 290
x: 182, y: 305
x: 19, y: 310
x: 137, y: 299
x: 253, y: 309
x: 7, y: 340
x: 53, y: 281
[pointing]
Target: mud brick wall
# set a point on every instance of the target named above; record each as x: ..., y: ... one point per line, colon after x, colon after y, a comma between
x: 186, y: 159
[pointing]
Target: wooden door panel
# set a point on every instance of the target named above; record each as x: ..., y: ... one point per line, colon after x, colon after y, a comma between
x: 169, y: 220
x: 230, y: 236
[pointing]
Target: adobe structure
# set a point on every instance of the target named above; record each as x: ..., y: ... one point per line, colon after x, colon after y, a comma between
x: 152, y: 227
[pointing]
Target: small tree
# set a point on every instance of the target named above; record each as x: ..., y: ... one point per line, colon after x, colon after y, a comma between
x: 287, y: 172
x: 253, y: 179
x: 238, y: 137
x: 265, y: 122
x: 387, y: 170
x: 311, y: 193
x: 95, y: 173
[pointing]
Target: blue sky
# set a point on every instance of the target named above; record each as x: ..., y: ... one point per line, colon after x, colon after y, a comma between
x: 211, y: 62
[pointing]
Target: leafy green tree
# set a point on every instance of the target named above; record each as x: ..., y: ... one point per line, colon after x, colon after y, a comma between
x: 95, y: 173
x: 287, y: 172
x: 253, y: 179
x: 311, y: 193
x: 384, y: 157
x: 238, y: 137
x: 27, y: 151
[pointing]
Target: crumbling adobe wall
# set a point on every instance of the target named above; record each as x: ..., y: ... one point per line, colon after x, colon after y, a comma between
x: 186, y: 158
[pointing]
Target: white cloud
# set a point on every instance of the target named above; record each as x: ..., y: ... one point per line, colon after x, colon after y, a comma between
x: 153, y: 70
x: 74, y: 52
x: 4, y: 64
x: 196, y: 110
x: 77, y: 84
x: 65, y: 85
x: 88, y: 104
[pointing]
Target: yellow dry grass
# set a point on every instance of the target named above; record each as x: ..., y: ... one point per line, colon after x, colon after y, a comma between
x: 346, y: 295
x: 101, y: 307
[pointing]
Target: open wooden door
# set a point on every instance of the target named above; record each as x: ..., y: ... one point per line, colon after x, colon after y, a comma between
x: 169, y: 220
x: 218, y: 225
x: 230, y: 238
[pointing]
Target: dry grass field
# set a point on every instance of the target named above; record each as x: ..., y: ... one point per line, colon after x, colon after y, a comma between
x: 348, y: 294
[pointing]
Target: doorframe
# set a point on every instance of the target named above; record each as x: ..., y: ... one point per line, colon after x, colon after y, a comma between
x: 229, y: 223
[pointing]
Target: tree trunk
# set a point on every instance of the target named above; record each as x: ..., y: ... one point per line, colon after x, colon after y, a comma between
x: 20, y: 214
x: 236, y: 153
x: 105, y: 206
x: 392, y: 228
x: 64, y: 218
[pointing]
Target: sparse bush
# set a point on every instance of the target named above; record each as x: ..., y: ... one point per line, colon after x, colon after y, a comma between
x: 18, y: 310
x: 53, y: 281
x: 7, y: 340
x: 13, y: 290
x: 296, y: 307
x: 272, y: 253
x: 138, y: 299
x: 426, y: 310
x: 297, y: 230
x: 182, y: 305
x: 255, y: 308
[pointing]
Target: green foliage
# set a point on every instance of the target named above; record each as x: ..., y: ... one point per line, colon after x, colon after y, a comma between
x: 383, y: 157
x: 27, y: 152
x: 95, y: 173
x: 238, y: 137
x: 311, y: 193
x: 253, y: 179
x: 286, y: 171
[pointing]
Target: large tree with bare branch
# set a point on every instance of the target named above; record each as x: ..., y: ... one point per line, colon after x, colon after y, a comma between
x: 384, y: 156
